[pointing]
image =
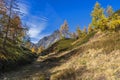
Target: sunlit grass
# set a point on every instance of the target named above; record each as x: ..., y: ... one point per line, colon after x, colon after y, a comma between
x: 100, y: 59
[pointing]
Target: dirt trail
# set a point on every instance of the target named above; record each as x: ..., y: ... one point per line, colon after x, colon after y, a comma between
x: 35, y: 71
x: 39, y: 69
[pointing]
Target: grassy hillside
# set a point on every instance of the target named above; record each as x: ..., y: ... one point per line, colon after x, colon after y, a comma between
x: 97, y: 59
x: 14, y: 56
x: 89, y: 54
x: 60, y: 46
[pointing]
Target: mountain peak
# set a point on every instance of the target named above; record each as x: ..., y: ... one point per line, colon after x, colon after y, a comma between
x: 48, y: 40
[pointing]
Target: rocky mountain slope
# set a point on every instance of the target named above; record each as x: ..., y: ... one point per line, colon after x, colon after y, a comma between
x: 49, y: 40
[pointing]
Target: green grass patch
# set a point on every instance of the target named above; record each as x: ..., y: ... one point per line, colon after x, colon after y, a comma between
x: 85, y: 39
x: 64, y: 44
x: 59, y: 46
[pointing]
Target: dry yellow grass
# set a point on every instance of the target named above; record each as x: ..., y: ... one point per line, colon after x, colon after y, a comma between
x: 97, y: 63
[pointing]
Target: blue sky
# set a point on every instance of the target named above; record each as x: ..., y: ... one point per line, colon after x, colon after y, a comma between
x: 45, y: 16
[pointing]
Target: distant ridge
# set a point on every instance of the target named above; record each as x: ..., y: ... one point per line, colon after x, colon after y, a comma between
x: 49, y: 40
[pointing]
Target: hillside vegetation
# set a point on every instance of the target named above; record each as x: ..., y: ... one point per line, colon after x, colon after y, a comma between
x: 88, y: 54
x: 14, y: 56
x: 95, y: 53
x: 98, y: 59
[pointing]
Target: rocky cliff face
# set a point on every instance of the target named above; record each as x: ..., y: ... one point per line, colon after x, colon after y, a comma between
x: 49, y: 40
